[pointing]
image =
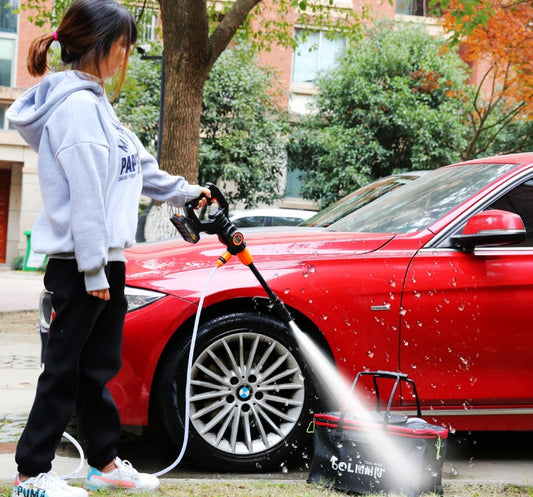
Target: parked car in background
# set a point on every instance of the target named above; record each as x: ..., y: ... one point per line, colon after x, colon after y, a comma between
x: 254, y: 218
x: 432, y: 279
x: 360, y: 197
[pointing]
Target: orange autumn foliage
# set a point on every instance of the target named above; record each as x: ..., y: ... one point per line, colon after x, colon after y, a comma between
x: 500, y: 33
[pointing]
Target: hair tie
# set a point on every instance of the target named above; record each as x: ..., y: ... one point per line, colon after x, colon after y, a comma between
x: 54, y: 34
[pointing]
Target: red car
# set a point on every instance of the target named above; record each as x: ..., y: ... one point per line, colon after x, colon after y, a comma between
x: 434, y: 280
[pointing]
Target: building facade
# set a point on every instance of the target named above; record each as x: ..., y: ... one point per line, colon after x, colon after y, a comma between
x: 19, y: 189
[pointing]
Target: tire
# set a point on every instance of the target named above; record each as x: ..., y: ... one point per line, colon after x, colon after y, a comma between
x: 250, y: 400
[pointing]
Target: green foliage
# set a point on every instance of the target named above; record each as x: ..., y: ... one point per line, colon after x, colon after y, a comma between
x: 395, y: 102
x: 513, y: 137
x: 17, y: 263
x: 242, y: 129
x: 137, y: 105
x: 470, y: 14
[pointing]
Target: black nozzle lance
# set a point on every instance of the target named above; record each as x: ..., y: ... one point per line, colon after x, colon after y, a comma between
x: 277, y: 304
x: 218, y: 223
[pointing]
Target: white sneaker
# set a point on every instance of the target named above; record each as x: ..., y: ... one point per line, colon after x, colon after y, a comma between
x: 125, y: 476
x: 45, y: 485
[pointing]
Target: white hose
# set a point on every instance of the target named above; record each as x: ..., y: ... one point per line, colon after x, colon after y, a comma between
x: 188, y: 381
x: 187, y: 396
x: 74, y: 442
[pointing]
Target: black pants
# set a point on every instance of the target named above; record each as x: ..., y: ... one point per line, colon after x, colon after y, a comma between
x: 82, y: 355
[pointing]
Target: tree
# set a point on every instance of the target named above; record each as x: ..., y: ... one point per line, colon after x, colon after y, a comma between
x: 499, y: 33
x: 195, y: 33
x: 242, y: 129
x: 395, y: 102
x: 137, y: 105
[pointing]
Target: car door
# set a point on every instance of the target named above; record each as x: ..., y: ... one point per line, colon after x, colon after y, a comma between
x: 467, y: 327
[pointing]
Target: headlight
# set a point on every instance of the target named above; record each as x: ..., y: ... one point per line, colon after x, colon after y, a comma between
x: 137, y: 297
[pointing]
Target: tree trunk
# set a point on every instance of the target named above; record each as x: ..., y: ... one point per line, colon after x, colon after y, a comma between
x: 185, y: 36
x: 189, y: 54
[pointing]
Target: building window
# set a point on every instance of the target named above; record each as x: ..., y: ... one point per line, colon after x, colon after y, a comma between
x: 7, y: 57
x: 148, y: 24
x: 413, y: 7
x: 4, y: 122
x: 8, y: 19
x: 8, y: 30
x: 315, y: 52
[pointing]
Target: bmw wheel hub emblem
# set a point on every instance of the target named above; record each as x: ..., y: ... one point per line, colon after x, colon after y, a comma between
x: 244, y: 393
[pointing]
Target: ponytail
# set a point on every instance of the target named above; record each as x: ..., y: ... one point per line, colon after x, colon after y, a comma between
x: 37, y: 61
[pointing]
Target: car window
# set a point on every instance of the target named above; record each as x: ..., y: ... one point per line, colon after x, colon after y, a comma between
x: 356, y: 200
x: 520, y: 201
x: 419, y: 204
x: 285, y: 221
x: 249, y: 222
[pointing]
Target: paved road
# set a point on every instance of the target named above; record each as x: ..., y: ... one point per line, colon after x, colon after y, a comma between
x: 480, y: 458
x: 19, y: 290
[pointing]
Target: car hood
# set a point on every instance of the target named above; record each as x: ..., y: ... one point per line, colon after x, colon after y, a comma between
x: 151, y: 263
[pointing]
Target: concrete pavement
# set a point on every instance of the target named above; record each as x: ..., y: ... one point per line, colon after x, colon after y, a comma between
x: 19, y: 290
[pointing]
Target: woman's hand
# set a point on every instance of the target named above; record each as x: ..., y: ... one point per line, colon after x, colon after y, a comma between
x: 100, y: 294
x: 203, y: 201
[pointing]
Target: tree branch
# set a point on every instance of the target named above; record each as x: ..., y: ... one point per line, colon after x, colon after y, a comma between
x: 224, y: 32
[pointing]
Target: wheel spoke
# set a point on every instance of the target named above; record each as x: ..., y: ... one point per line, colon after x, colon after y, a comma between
x: 242, y: 365
x: 219, y: 363
x: 266, y: 355
x: 235, y: 428
x: 277, y: 412
x: 231, y: 357
x: 224, y: 426
x: 251, y: 354
x: 283, y: 374
x: 247, y: 431
x: 269, y: 420
x: 278, y: 387
x: 209, y: 408
x: 223, y: 414
x: 260, y: 427
x: 212, y: 374
x: 283, y: 400
x: 275, y: 366
x: 210, y: 395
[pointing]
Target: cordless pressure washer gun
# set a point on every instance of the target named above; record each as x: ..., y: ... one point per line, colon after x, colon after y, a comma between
x: 218, y: 223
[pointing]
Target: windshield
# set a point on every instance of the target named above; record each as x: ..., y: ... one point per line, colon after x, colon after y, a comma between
x: 419, y: 204
x: 358, y: 199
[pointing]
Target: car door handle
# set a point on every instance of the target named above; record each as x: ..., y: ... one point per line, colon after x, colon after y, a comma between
x: 383, y: 307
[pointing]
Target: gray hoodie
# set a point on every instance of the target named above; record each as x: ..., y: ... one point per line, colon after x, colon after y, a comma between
x: 92, y: 171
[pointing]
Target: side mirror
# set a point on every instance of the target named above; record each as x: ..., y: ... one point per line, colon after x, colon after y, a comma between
x: 492, y: 227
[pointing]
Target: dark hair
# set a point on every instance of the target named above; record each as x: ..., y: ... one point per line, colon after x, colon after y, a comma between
x: 86, y: 34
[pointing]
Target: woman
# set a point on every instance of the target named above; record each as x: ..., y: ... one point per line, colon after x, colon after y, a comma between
x: 92, y: 171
